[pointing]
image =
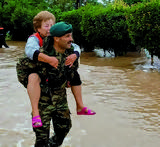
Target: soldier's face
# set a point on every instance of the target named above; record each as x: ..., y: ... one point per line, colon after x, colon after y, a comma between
x: 45, y: 27
x: 65, y: 41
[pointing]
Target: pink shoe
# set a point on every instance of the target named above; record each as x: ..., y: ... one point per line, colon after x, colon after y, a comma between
x: 84, y: 112
x: 36, y: 122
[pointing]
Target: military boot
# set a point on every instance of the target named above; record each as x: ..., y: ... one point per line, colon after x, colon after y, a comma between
x: 41, y: 144
x: 52, y: 142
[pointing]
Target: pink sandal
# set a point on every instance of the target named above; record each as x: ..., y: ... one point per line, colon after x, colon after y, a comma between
x: 84, y: 112
x: 36, y: 122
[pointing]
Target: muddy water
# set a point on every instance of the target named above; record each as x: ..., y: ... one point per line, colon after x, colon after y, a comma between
x: 126, y: 99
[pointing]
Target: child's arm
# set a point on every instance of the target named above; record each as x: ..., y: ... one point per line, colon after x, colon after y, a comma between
x: 71, y: 58
x: 53, y: 61
x: 77, y: 50
x: 32, y: 47
x: 32, y: 51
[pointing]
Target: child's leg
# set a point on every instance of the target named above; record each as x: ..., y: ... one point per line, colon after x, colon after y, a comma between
x: 34, y: 91
x: 81, y: 110
x: 77, y: 92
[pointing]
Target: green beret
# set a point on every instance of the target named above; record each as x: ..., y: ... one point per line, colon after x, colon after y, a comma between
x: 61, y: 28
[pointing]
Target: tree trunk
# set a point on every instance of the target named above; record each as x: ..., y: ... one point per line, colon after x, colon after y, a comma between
x: 152, y: 61
x: 78, y: 3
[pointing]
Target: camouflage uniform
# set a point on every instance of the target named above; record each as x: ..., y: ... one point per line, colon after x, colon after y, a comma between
x: 53, y: 103
x: 53, y: 107
x: 24, y: 68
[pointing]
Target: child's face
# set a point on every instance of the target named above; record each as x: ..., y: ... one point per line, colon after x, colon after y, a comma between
x: 45, y: 27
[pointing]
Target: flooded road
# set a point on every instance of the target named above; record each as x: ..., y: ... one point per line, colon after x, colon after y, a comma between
x: 125, y: 96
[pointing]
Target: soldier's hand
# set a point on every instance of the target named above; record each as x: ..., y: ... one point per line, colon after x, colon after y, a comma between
x: 70, y: 59
x: 53, y: 62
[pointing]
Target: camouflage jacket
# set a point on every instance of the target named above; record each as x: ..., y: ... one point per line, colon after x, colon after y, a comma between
x: 55, y: 78
x: 25, y: 66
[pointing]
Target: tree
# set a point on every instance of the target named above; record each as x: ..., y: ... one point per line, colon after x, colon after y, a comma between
x: 17, y: 15
x: 63, y: 5
x: 80, y: 3
x: 130, y: 2
x: 93, y: 2
x: 143, y: 26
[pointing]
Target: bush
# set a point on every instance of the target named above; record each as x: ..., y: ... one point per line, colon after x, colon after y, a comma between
x: 143, y: 25
x: 106, y: 27
x: 6, y: 9
x: 56, y: 12
x: 74, y: 17
x: 23, y: 26
x: 17, y: 17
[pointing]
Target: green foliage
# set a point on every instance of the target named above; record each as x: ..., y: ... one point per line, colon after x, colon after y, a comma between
x: 130, y: 2
x: 87, y: 24
x: 8, y: 36
x: 74, y: 17
x: 17, y: 16
x: 106, y: 26
x: 6, y: 9
x: 113, y: 25
x: 143, y: 25
x: 56, y: 11
x: 22, y: 23
x: 62, y: 5
x: 93, y: 2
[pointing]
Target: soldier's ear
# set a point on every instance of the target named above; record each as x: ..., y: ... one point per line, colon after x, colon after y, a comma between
x: 56, y: 39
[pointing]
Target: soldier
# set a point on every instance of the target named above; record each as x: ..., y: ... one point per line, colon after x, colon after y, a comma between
x: 27, y: 70
x: 2, y: 38
x: 53, y: 103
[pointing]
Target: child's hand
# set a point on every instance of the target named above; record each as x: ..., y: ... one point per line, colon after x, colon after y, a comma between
x: 70, y: 59
x: 53, y: 62
x: 68, y: 84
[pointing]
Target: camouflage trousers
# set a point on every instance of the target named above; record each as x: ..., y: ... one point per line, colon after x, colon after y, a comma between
x: 53, y: 107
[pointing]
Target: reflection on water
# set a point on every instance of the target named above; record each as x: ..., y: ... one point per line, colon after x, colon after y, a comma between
x: 124, y: 95
x: 148, y: 101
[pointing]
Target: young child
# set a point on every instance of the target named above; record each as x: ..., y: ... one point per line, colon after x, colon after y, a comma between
x: 27, y: 71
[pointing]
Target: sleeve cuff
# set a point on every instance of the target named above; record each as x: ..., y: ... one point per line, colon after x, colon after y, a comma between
x: 77, y: 53
x: 35, y: 55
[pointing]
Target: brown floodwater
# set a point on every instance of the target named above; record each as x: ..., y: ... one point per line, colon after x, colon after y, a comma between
x: 124, y: 94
